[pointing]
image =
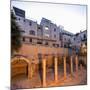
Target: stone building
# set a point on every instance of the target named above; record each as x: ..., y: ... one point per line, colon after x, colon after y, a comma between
x: 66, y: 38
x: 51, y: 31
x: 79, y: 39
x: 42, y: 48
x: 47, y: 33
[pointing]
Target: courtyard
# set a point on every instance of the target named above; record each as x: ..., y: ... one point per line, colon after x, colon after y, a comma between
x: 53, y: 75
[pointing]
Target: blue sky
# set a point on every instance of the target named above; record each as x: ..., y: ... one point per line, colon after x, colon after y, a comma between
x: 72, y: 17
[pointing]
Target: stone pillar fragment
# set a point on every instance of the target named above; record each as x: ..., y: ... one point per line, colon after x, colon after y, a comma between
x: 44, y: 72
x: 71, y: 64
x: 76, y: 62
x: 56, y: 68
x: 65, y: 71
x: 81, y: 67
x: 30, y: 72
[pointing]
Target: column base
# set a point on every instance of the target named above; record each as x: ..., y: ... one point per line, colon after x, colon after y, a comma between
x: 44, y: 85
x: 65, y: 77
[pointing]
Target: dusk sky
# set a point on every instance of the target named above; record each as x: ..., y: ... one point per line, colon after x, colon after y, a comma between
x: 72, y: 17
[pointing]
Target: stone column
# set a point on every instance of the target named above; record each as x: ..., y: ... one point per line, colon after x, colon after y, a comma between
x: 71, y: 64
x: 56, y: 68
x: 76, y: 62
x: 65, y: 71
x: 30, y: 71
x: 44, y: 72
x: 81, y: 67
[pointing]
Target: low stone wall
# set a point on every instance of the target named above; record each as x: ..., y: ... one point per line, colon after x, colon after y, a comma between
x: 34, y: 50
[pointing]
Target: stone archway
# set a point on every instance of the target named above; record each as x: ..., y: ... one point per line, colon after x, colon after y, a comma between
x: 20, y: 66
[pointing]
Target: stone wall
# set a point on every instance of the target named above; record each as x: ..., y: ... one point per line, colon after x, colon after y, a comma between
x: 34, y: 50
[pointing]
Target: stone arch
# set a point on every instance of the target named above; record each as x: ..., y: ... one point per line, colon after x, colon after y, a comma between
x: 20, y: 58
x: 16, y: 60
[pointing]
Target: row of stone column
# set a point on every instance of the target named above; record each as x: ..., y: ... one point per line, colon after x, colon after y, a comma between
x: 56, y: 68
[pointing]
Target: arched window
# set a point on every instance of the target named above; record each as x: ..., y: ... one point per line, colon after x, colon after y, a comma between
x: 84, y: 36
x: 32, y: 32
x: 23, y: 39
x: 54, y: 29
x: 30, y: 23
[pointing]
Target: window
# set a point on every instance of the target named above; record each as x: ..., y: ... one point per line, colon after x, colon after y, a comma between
x: 22, y: 31
x: 39, y: 27
x: 19, y: 19
x: 24, y: 20
x: 30, y: 23
x: 39, y: 42
x: 54, y: 29
x: 30, y: 40
x: 54, y: 45
x: 46, y: 43
x: 23, y: 39
x: 57, y: 45
x: 65, y: 46
x: 46, y: 28
x: 54, y: 36
x: 86, y: 43
x: 84, y: 36
x: 32, y: 32
x: 60, y: 36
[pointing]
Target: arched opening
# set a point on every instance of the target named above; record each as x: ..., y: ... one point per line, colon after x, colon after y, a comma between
x: 19, y: 69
